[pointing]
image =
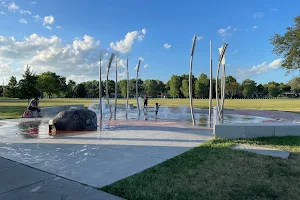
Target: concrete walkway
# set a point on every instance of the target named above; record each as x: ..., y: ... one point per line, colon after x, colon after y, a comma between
x: 22, y: 182
x: 99, y: 158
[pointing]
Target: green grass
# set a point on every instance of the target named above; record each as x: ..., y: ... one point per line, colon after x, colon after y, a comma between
x: 291, y: 105
x: 215, y: 171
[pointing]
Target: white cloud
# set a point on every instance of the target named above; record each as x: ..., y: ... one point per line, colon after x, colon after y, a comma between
x: 235, y: 51
x: 48, y: 20
x: 81, y: 57
x: 259, y: 69
x: 224, y: 31
x: 23, y: 21
x: 141, y: 58
x: 25, y: 12
x: 48, y: 27
x: 33, y: 3
x: 2, y: 13
x: 13, y: 7
x: 125, y: 45
x: 258, y: 15
x: 199, y: 37
x: 255, y: 27
x: 167, y: 46
x: 235, y: 29
x: 146, y: 66
x: 37, y: 18
x: 60, y: 27
x: 274, y: 9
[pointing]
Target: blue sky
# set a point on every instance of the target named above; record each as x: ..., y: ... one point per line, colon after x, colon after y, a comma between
x: 79, y: 30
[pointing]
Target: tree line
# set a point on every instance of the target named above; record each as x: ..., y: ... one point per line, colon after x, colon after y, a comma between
x: 50, y: 84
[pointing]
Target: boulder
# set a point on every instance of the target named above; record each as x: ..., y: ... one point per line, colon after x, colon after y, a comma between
x: 74, y: 120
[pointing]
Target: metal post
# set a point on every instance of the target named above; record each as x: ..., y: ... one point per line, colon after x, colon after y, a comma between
x: 100, y: 88
x: 127, y: 96
x: 116, y: 89
x: 210, y: 87
x: 191, y: 79
x: 107, y: 92
x: 136, y: 87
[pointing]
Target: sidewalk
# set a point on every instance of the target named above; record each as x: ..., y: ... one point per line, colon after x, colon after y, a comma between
x: 18, y: 181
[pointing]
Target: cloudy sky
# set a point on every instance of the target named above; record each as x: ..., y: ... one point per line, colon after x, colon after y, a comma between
x: 67, y: 36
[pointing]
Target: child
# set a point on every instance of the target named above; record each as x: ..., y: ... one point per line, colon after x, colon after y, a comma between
x: 156, y: 109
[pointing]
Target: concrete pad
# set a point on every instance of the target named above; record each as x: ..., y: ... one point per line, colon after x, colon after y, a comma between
x: 57, y: 188
x: 18, y: 176
x: 255, y: 131
x: 229, y: 131
x: 6, y: 163
x: 287, y: 130
x: 263, y: 150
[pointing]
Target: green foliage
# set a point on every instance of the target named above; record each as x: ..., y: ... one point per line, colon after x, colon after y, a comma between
x: 288, y: 46
x: 295, y: 85
x: 274, y: 89
x: 70, y: 89
x: 150, y: 87
x: 185, y: 88
x: 174, y: 84
x: 12, y: 89
x: 51, y: 83
x: 28, y: 85
x: 122, y: 85
x: 248, y: 88
x: 92, y: 88
x: 232, y: 87
x: 202, y: 86
x: 80, y: 91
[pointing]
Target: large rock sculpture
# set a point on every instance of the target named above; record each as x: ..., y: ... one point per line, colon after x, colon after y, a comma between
x: 74, y: 120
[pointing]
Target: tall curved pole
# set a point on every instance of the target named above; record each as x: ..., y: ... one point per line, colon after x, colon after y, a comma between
x: 100, y: 88
x: 222, y: 87
x: 107, y: 93
x: 210, y: 87
x: 127, y: 85
x: 191, y: 80
x: 116, y: 89
x: 136, y: 87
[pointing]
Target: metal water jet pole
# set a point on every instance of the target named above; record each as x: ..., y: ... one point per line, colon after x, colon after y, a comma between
x: 100, y: 88
x: 221, y: 62
x: 116, y: 89
x: 136, y: 86
x: 191, y: 80
x: 127, y: 95
x: 210, y: 87
x: 107, y: 94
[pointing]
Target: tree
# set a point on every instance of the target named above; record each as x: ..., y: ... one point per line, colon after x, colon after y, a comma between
x: 80, y: 91
x: 202, y: 86
x: 160, y: 87
x: 295, y: 85
x: 185, y: 88
x: 70, y: 89
x: 248, y: 88
x: 28, y: 85
x: 174, y: 85
x: 262, y: 90
x: 111, y: 87
x: 232, y: 87
x: 150, y: 87
x: 51, y: 83
x: 288, y: 46
x: 12, y: 89
x: 274, y: 89
x: 92, y: 88
x: 122, y: 85
x: 285, y: 87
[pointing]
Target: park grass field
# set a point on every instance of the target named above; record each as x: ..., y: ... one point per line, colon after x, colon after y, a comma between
x: 12, y: 108
x: 215, y: 171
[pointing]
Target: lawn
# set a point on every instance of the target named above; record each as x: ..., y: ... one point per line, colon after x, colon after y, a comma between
x: 215, y: 171
x: 257, y: 104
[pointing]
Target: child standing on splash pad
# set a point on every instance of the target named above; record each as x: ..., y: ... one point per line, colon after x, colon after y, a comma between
x: 156, y: 109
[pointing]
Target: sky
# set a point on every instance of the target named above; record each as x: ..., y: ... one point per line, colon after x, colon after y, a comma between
x: 67, y: 37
